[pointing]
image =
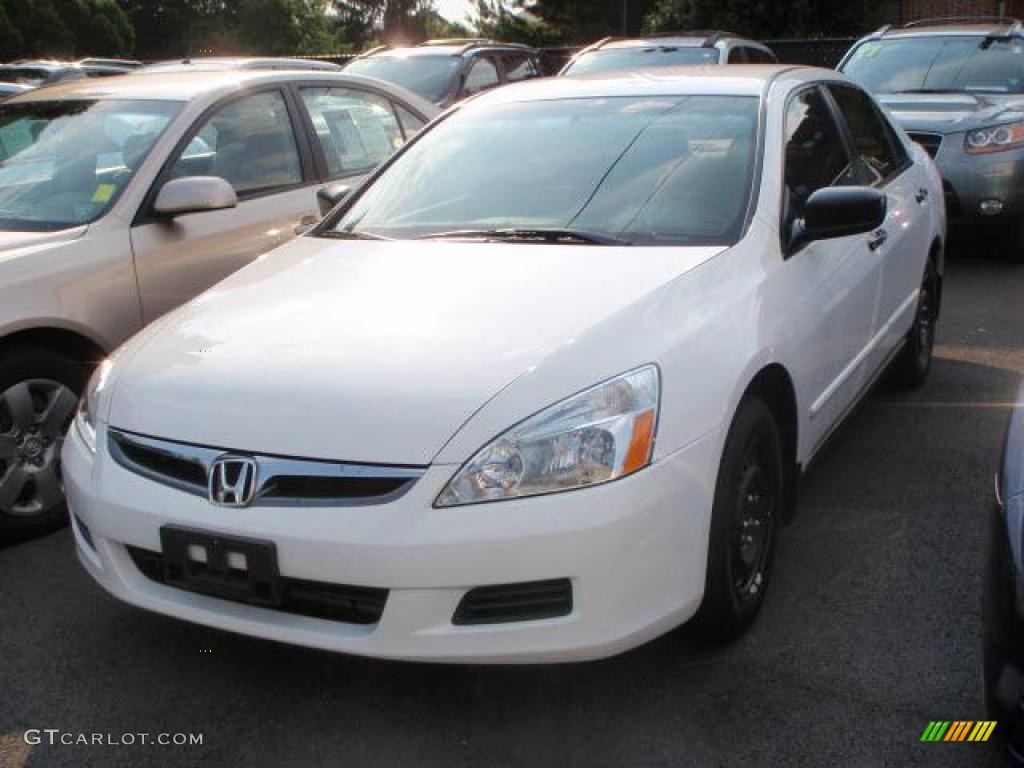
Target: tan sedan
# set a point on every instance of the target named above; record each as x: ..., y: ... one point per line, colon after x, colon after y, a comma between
x: 123, y: 198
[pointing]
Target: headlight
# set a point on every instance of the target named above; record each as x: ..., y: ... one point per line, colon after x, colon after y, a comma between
x: 85, y: 419
x: 997, y: 138
x: 601, y: 434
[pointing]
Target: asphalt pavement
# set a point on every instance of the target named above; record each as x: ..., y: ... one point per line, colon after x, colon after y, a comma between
x: 871, y: 629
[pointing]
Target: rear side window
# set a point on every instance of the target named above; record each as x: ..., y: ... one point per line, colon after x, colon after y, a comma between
x: 757, y: 56
x: 356, y: 129
x: 816, y: 155
x: 519, y: 66
x: 483, y: 74
x: 411, y: 125
x: 879, y: 156
x: 738, y: 55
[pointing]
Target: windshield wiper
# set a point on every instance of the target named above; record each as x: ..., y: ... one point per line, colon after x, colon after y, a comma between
x: 517, y: 234
x: 338, y: 234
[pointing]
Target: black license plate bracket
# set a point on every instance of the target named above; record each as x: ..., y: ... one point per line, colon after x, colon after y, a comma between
x: 231, y: 567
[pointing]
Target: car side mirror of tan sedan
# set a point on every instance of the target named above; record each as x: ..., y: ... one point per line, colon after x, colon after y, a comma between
x: 191, y: 194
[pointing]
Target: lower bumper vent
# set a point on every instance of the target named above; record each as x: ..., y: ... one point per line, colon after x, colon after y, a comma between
x: 505, y: 603
x: 317, y: 599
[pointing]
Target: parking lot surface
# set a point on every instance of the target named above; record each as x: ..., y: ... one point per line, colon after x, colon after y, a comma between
x: 871, y: 630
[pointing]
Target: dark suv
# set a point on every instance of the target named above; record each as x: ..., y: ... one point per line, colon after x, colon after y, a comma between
x: 446, y: 71
x: 957, y: 87
x: 668, y: 50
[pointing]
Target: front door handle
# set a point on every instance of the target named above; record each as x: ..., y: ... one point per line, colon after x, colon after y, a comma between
x: 878, y: 239
x: 922, y: 195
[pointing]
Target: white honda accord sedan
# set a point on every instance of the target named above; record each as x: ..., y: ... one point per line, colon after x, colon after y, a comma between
x: 540, y: 390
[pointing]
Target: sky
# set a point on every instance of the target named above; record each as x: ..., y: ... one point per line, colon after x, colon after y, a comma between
x: 455, y: 10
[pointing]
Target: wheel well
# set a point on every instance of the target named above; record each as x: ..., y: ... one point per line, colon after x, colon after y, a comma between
x: 773, y: 385
x: 74, y: 344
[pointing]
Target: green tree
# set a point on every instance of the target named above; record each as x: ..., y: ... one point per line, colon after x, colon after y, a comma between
x: 496, y: 20
x: 286, y: 27
x: 764, y: 18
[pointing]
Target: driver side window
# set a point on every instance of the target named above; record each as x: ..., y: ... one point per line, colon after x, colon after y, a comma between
x: 248, y: 142
x: 815, y: 153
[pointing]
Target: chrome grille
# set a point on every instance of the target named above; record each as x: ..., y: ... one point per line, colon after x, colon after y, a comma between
x: 930, y: 141
x: 281, y: 481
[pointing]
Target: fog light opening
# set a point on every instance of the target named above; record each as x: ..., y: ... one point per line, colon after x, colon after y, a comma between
x: 991, y: 207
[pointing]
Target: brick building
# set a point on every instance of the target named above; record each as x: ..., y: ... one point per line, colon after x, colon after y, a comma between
x: 907, y: 10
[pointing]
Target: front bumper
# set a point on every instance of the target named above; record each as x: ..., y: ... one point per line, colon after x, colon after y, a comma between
x: 968, y: 180
x: 635, y: 551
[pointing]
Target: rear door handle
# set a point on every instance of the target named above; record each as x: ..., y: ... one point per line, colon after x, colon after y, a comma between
x: 921, y: 196
x: 878, y: 239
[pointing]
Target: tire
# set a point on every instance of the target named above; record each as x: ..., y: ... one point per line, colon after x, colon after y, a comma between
x: 910, y: 368
x: 39, y: 389
x: 748, y: 505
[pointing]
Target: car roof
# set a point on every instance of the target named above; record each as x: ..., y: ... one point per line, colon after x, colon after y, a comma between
x: 720, y: 80
x: 446, y: 47
x: 238, y: 62
x: 185, y: 86
x: 980, y: 27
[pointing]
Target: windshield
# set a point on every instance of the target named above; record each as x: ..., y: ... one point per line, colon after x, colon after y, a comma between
x: 638, y: 58
x: 427, y: 76
x: 64, y: 163
x: 23, y: 75
x: 648, y: 170
x: 955, y: 63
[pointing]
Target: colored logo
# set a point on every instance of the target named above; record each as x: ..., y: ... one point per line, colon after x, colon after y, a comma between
x: 958, y: 730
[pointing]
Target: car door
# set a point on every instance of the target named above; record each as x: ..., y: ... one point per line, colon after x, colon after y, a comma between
x: 837, y: 280
x: 252, y: 142
x: 882, y: 162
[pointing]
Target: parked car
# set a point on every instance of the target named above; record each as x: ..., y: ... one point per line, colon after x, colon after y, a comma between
x: 957, y: 86
x: 446, y: 71
x: 35, y: 74
x: 668, y: 50
x: 214, y: 63
x: 1004, y: 594
x: 122, y: 199
x: 123, y: 63
x: 536, y: 404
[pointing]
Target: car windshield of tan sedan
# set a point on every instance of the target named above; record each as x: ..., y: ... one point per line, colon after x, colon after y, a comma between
x: 610, y: 170
x: 64, y: 163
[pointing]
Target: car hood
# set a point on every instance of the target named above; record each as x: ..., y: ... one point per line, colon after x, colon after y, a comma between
x: 17, y: 241
x: 372, y: 352
x: 951, y: 112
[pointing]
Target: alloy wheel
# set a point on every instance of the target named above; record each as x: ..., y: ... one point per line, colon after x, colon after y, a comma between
x: 34, y: 416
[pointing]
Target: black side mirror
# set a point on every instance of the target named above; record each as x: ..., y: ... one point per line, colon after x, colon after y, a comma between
x: 330, y: 196
x: 838, y: 212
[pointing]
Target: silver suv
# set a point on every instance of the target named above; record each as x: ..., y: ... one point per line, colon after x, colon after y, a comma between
x: 668, y: 50
x: 957, y: 87
x: 448, y: 70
